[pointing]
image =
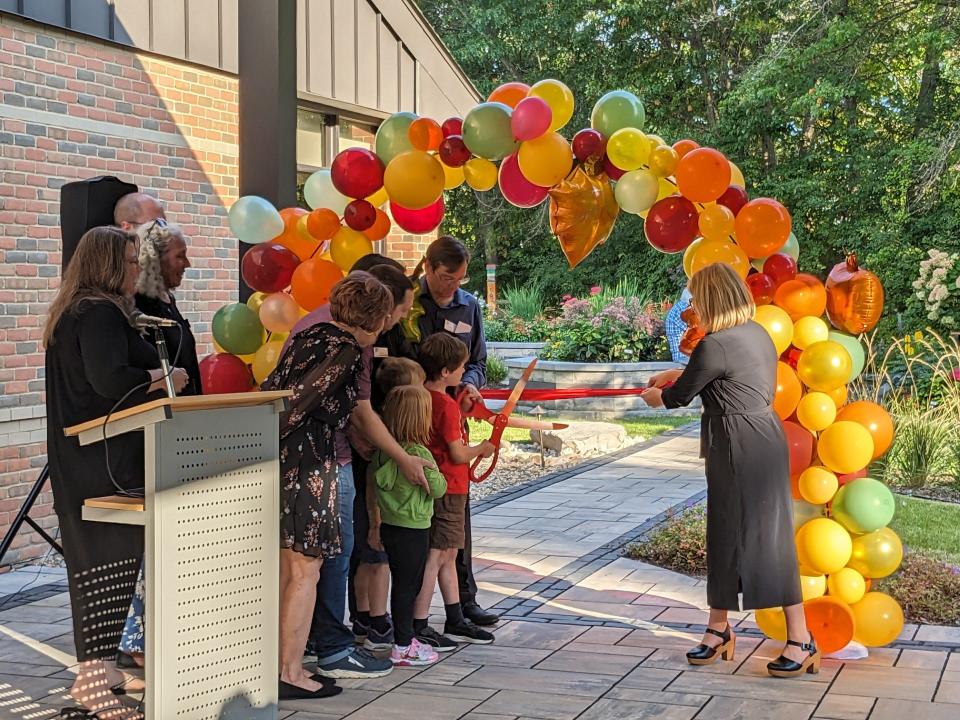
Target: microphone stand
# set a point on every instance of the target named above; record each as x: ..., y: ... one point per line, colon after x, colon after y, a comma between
x: 164, y: 360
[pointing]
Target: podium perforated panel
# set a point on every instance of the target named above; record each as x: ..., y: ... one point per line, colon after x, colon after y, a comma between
x: 215, y: 585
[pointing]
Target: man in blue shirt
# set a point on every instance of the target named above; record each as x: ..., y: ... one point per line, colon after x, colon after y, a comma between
x: 676, y: 327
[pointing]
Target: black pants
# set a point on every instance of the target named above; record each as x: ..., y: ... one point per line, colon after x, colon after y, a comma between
x: 468, y: 586
x: 407, y: 550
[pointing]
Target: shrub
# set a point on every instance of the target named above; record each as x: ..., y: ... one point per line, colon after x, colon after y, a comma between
x: 928, y: 589
x: 503, y: 328
x: 938, y: 287
x: 679, y: 544
x: 496, y: 370
x: 523, y: 301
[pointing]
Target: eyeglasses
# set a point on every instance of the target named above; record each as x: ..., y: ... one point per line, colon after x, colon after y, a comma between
x: 159, y: 222
x: 452, y: 279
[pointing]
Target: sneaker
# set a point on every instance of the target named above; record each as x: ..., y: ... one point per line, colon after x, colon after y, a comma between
x: 358, y: 664
x: 416, y: 654
x: 440, y: 643
x: 478, y: 616
x: 467, y: 632
x: 360, y: 632
x: 377, y: 641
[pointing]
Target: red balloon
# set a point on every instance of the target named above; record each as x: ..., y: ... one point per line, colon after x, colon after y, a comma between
x: 589, y: 144
x: 452, y: 126
x: 780, y: 268
x: 761, y: 287
x: 800, y: 442
x: 531, y: 118
x: 268, y: 267
x: 791, y: 356
x: 357, y: 172
x: 612, y: 171
x: 671, y: 224
x: 515, y: 188
x: 734, y: 198
x: 420, y: 221
x: 360, y: 215
x: 224, y: 373
x: 453, y: 151
x: 849, y: 477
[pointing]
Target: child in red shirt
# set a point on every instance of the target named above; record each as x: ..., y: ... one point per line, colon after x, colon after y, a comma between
x: 443, y: 357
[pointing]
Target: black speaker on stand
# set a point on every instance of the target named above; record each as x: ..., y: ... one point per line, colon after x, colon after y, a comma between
x: 84, y: 204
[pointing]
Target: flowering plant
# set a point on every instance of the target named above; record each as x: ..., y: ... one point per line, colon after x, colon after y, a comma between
x: 938, y: 287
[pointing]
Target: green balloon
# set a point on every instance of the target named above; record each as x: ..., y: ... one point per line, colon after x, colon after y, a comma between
x: 392, y: 136
x: 803, y: 512
x: 863, y: 505
x: 616, y: 110
x: 487, y: 132
x: 237, y: 329
x: 854, y: 347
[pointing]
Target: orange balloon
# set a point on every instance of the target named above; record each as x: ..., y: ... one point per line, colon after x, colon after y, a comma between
x: 425, y: 134
x: 839, y: 396
x: 510, y: 93
x: 703, y: 175
x: 875, y: 419
x: 323, y: 224
x: 831, y: 622
x: 788, y: 392
x: 684, y: 146
x: 804, y: 295
x: 854, y: 297
x: 298, y: 240
x: 716, y: 222
x: 714, y: 251
x: 583, y: 210
x: 663, y: 160
x: 291, y: 215
x: 762, y: 227
x: 380, y: 227
x: 312, y: 281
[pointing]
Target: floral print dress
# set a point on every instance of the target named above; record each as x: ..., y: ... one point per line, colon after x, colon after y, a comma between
x: 321, y: 366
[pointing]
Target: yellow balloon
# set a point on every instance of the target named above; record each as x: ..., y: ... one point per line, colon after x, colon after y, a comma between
x: 772, y: 623
x: 845, y: 447
x: 348, y: 246
x: 816, y: 411
x: 655, y: 140
x: 480, y: 174
x: 777, y: 324
x: 663, y: 160
x: 414, y: 179
x: 716, y: 223
x: 714, y: 251
x: 879, y: 619
x: 824, y: 545
x: 560, y: 99
x: 628, y: 149
x: 667, y: 189
x: 824, y: 366
x: 847, y: 584
x: 379, y: 197
x: 265, y: 360
x: 813, y: 586
x: 839, y: 396
x: 453, y: 176
x: 736, y: 177
x: 817, y: 485
x: 809, y: 330
x: 688, y: 256
x: 254, y: 302
x: 545, y: 161
x: 877, y: 554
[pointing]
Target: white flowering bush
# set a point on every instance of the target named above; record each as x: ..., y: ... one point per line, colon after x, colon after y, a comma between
x: 938, y: 288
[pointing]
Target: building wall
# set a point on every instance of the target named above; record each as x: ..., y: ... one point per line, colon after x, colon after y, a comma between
x: 70, y: 108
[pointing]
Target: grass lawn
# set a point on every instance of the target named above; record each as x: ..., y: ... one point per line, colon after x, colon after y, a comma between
x: 928, y: 526
x: 636, y: 427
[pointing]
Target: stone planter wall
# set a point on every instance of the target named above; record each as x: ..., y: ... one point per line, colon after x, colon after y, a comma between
x: 508, y: 350
x: 553, y: 374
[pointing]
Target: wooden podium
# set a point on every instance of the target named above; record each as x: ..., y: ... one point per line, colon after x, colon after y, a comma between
x: 211, y: 517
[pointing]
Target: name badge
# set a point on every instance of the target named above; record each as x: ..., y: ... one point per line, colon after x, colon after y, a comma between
x: 463, y: 328
x: 449, y: 326
x: 381, y: 352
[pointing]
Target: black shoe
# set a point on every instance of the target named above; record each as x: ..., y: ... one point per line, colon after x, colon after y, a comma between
x: 786, y: 668
x: 295, y: 692
x: 440, y: 643
x: 478, y: 616
x: 467, y: 632
x: 703, y: 654
x: 126, y: 661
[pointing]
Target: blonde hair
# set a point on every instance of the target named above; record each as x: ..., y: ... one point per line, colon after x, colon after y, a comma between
x: 396, y: 371
x: 155, y: 238
x: 408, y: 414
x: 96, y: 272
x: 721, y: 297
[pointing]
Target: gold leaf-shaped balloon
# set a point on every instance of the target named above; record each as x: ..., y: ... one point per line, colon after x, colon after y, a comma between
x: 583, y: 210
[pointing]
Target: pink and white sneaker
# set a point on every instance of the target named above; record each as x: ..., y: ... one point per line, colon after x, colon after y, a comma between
x: 417, y: 653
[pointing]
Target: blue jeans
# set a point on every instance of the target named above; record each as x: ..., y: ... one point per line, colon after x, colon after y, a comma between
x: 329, y: 637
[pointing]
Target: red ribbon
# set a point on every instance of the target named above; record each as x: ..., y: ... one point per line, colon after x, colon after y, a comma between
x: 542, y: 394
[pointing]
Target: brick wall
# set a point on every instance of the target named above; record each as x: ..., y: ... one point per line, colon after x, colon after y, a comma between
x: 71, y: 108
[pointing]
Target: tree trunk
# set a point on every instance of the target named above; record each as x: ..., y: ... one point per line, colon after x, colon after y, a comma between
x: 930, y: 77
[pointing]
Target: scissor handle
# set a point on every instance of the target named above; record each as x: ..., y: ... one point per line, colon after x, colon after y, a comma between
x: 499, y: 424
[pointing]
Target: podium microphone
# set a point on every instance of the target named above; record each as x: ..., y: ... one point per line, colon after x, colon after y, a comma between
x: 141, y: 321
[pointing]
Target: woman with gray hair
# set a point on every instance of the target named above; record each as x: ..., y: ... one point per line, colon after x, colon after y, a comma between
x: 163, y: 262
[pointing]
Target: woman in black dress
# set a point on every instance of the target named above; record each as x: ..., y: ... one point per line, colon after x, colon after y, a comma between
x: 94, y: 358
x: 322, y: 367
x: 750, y: 545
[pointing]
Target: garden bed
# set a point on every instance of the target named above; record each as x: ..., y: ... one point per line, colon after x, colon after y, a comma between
x: 509, y: 350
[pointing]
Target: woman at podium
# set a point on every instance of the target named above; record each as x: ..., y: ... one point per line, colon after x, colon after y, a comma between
x: 97, y: 363
x: 322, y: 367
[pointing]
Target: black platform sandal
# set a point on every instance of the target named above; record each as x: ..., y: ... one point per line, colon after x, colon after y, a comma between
x: 704, y: 654
x: 784, y: 667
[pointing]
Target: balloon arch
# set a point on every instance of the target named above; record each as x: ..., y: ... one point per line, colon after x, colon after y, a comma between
x: 694, y: 202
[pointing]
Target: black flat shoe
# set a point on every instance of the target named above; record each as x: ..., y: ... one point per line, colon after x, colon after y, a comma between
x: 703, y: 654
x: 295, y: 692
x: 126, y: 661
x: 786, y: 668
x: 478, y: 616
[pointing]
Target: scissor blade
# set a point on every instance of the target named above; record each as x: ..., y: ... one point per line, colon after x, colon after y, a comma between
x: 518, y: 389
x: 527, y: 424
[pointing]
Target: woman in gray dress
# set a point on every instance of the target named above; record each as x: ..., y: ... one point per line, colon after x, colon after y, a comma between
x: 750, y: 544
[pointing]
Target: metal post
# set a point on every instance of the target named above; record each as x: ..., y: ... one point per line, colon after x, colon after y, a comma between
x: 539, y: 411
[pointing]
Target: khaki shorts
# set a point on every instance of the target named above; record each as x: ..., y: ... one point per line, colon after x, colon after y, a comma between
x: 449, y: 517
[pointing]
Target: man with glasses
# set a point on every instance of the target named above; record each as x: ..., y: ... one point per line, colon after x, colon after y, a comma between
x: 135, y: 209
